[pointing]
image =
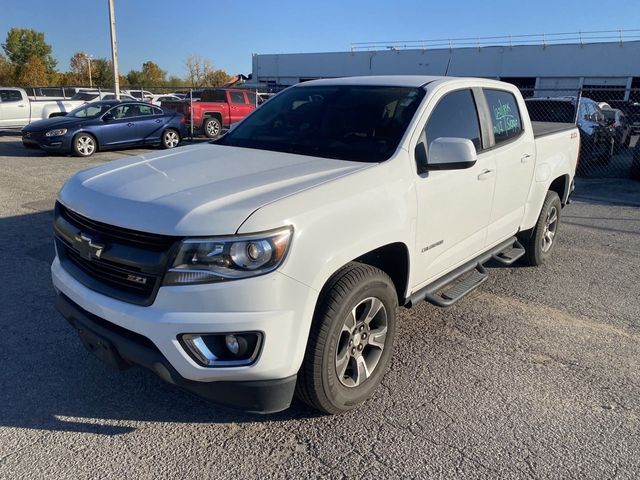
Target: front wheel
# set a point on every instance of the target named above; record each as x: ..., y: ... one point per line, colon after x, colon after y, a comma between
x: 170, y: 138
x: 84, y: 145
x: 351, y: 339
x: 540, y: 241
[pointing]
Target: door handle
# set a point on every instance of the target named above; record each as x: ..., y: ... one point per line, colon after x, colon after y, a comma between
x: 486, y: 173
x: 525, y: 158
x: 129, y: 124
x: 22, y: 105
x: 158, y: 121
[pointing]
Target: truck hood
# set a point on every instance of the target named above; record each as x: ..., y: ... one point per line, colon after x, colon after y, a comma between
x: 198, y: 190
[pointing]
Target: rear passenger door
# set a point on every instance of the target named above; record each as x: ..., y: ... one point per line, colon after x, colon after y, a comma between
x: 454, y: 206
x: 238, y: 106
x: 514, y: 155
x: 150, y: 123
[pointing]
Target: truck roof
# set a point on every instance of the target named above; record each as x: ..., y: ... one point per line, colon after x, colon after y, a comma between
x: 394, y: 80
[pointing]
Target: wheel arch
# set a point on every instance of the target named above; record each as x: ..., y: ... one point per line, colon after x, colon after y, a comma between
x: 392, y: 258
x: 560, y: 185
x: 207, y: 115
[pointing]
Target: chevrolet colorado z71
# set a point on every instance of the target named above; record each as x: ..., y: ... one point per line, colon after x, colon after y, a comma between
x: 272, y: 261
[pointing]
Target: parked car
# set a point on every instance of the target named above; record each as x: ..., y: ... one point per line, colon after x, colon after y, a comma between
x: 217, y: 109
x: 632, y: 111
x: 617, y: 120
x: 158, y: 99
x: 273, y: 260
x: 596, y: 137
x: 140, y: 94
x: 94, y: 95
x: 17, y: 110
x: 104, y: 125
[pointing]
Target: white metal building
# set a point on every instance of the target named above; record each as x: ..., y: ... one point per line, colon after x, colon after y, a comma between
x: 542, y: 66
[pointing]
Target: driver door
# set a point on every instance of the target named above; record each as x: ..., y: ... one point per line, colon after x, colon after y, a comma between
x: 454, y: 204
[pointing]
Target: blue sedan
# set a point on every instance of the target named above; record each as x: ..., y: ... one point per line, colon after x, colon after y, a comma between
x: 106, y: 125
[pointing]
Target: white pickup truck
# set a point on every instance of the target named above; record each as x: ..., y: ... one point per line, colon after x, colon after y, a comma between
x: 18, y: 110
x: 273, y: 261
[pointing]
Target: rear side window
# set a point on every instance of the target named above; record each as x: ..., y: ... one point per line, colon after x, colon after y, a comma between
x: 505, y: 116
x: 237, y: 97
x: 10, y: 96
x: 455, y: 115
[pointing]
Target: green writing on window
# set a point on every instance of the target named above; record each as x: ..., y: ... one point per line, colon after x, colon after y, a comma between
x: 504, y: 121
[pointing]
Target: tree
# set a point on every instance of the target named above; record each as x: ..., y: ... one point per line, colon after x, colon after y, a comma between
x: 6, y: 71
x: 33, y: 73
x: 101, y: 67
x: 152, y: 74
x: 134, y: 78
x: 23, y: 44
x: 216, y: 78
x: 79, y: 68
x: 197, y: 69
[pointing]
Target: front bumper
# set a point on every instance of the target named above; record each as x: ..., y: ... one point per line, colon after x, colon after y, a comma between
x: 49, y: 144
x: 122, y: 349
x: 274, y: 304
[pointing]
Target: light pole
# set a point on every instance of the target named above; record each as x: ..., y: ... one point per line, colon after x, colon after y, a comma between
x: 89, y: 57
x: 114, y: 51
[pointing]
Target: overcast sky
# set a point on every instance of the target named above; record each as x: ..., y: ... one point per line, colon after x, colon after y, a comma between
x: 229, y: 32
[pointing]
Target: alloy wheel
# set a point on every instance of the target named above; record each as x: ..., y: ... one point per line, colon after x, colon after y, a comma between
x: 361, y: 342
x: 171, y: 139
x: 86, y: 145
x: 550, y: 228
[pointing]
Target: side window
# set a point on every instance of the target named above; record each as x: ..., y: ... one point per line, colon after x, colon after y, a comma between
x: 157, y: 111
x: 253, y: 98
x: 505, y: 115
x: 145, y: 110
x: 10, y: 96
x: 237, y: 97
x: 455, y: 115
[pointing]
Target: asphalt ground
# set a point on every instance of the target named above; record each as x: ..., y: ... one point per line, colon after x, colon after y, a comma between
x: 534, y: 375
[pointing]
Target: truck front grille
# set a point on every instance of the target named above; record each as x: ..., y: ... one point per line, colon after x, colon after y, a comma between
x: 124, y: 264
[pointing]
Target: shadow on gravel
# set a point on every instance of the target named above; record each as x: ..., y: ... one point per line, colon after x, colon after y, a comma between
x: 48, y: 381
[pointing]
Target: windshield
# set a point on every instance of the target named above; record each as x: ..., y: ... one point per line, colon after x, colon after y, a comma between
x: 90, y: 110
x: 551, y: 111
x: 346, y: 122
x: 609, y: 114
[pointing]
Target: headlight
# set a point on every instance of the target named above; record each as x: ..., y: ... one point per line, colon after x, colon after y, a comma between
x: 206, y: 260
x: 56, y: 133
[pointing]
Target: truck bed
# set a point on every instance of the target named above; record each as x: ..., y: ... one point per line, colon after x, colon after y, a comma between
x: 541, y: 129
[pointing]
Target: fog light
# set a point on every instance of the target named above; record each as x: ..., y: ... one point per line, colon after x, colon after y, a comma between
x: 222, y: 349
x: 232, y: 343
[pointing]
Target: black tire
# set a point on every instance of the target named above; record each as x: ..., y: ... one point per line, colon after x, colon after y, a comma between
x: 170, y: 138
x: 354, y: 288
x: 212, y: 127
x: 81, y: 145
x: 535, y: 240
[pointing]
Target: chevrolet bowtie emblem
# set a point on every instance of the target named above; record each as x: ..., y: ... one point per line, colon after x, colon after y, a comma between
x: 86, y: 247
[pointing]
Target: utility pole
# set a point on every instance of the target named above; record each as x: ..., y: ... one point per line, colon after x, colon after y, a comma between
x: 114, y: 51
x: 89, y: 61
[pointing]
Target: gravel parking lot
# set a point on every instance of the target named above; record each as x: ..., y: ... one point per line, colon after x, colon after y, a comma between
x: 534, y: 375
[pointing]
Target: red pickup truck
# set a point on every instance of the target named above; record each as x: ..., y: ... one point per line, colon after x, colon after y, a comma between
x: 217, y: 109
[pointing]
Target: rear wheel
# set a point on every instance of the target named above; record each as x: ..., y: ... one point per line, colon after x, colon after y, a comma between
x: 212, y: 127
x: 351, y: 340
x: 170, y: 138
x: 84, y: 145
x: 540, y: 241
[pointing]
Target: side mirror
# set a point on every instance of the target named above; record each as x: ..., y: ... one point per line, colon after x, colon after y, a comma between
x: 107, y: 117
x: 448, y: 153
